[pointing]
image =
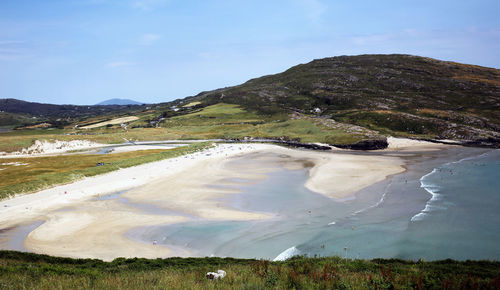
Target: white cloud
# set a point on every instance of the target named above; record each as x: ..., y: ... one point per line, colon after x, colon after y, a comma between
x: 149, y: 38
x: 119, y: 64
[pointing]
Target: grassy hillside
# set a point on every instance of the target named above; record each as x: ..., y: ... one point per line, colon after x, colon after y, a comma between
x: 395, y: 94
x: 24, y: 270
x: 232, y: 121
x: 11, y: 120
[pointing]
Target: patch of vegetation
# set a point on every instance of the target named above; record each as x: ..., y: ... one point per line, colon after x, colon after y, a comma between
x: 219, y: 114
x: 394, y: 123
x: 26, y: 270
x: 44, y: 172
x: 228, y: 121
x: 191, y: 104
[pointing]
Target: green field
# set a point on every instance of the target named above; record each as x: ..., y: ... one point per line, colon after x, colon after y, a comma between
x: 29, y: 271
x: 232, y: 121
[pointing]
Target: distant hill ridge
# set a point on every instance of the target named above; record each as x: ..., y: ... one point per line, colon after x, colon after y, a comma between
x: 50, y: 110
x: 118, y: 102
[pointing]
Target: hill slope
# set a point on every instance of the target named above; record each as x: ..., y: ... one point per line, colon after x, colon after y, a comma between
x: 51, y: 110
x: 400, y: 95
x: 15, y: 112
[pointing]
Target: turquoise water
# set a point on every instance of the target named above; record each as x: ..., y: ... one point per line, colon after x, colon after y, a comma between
x: 396, y: 218
x: 462, y: 217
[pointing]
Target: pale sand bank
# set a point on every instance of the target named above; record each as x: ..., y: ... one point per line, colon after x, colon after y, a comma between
x: 78, y: 226
x: 404, y: 144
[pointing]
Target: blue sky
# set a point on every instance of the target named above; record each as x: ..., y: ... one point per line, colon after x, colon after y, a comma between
x: 86, y: 51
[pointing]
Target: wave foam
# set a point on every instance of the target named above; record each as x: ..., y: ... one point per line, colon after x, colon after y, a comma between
x: 433, y: 190
x: 287, y: 254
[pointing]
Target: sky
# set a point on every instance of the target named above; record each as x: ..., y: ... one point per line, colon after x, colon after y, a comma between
x: 87, y: 51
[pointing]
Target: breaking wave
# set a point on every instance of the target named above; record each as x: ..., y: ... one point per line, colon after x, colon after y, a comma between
x: 287, y: 254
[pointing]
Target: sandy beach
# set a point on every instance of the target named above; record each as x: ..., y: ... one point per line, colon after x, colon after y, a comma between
x: 78, y: 223
x: 403, y: 144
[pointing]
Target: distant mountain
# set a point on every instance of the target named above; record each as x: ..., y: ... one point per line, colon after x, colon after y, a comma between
x: 121, y: 102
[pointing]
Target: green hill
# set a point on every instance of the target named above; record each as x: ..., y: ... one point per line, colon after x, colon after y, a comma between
x: 401, y: 95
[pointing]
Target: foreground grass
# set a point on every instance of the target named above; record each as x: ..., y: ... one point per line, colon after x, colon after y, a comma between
x: 25, y: 270
x: 43, y: 172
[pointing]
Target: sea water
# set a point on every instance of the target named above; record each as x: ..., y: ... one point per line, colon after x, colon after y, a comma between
x: 435, y: 210
x: 462, y: 217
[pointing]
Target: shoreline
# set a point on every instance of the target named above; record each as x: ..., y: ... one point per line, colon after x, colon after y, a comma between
x: 86, y: 219
x: 55, y: 148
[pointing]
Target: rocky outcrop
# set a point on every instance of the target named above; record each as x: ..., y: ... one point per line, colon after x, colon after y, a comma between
x: 365, y: 145
x: 310, y: 146
x: 486, y: 142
